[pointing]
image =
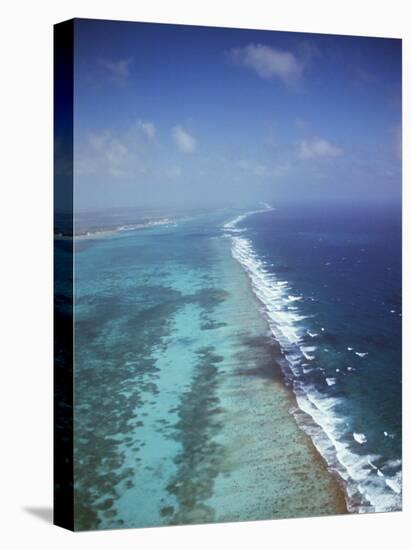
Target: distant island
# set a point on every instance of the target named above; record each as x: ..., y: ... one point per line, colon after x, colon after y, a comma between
x: 104, y: 230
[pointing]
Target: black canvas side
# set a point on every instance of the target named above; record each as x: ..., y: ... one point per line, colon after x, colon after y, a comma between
x: 63, y: 275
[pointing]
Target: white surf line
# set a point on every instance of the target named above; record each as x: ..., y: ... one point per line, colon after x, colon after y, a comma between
x: 325, y: 431
x: 359, y: 438
x: 231, y: 224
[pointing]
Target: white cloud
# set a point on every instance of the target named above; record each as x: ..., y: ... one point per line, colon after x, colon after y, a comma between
x: 183, y: 140
x: 269, y: 63
x: 98, y: 141
x: 148, y: 128
x: 118, y: 70
x: 106, y: 154
x: 117, y: 156
x: 317, y: 147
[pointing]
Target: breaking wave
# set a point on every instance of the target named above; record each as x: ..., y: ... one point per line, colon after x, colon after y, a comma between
x: 370, y: 484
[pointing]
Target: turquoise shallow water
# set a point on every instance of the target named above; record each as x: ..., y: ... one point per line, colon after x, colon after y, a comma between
x: 181, y: 412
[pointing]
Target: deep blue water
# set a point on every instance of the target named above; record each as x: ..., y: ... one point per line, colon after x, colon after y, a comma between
x: 337, y: 279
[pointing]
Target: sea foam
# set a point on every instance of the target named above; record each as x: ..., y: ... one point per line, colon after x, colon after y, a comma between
x: 368, y: 488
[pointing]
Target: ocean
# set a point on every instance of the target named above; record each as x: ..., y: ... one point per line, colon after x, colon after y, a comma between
x: 238, y: 365
x: 329, y: 279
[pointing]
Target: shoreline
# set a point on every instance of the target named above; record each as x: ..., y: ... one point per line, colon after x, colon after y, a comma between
x: 268, y: 389
x: 101, y: 233
x: 342, y: 495
x: 316, y: 413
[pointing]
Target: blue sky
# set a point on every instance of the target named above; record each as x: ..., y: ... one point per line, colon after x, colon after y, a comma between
x: 166, y: 114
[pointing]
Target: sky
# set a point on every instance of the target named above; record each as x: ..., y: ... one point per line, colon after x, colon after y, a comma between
x: 173, y: 114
